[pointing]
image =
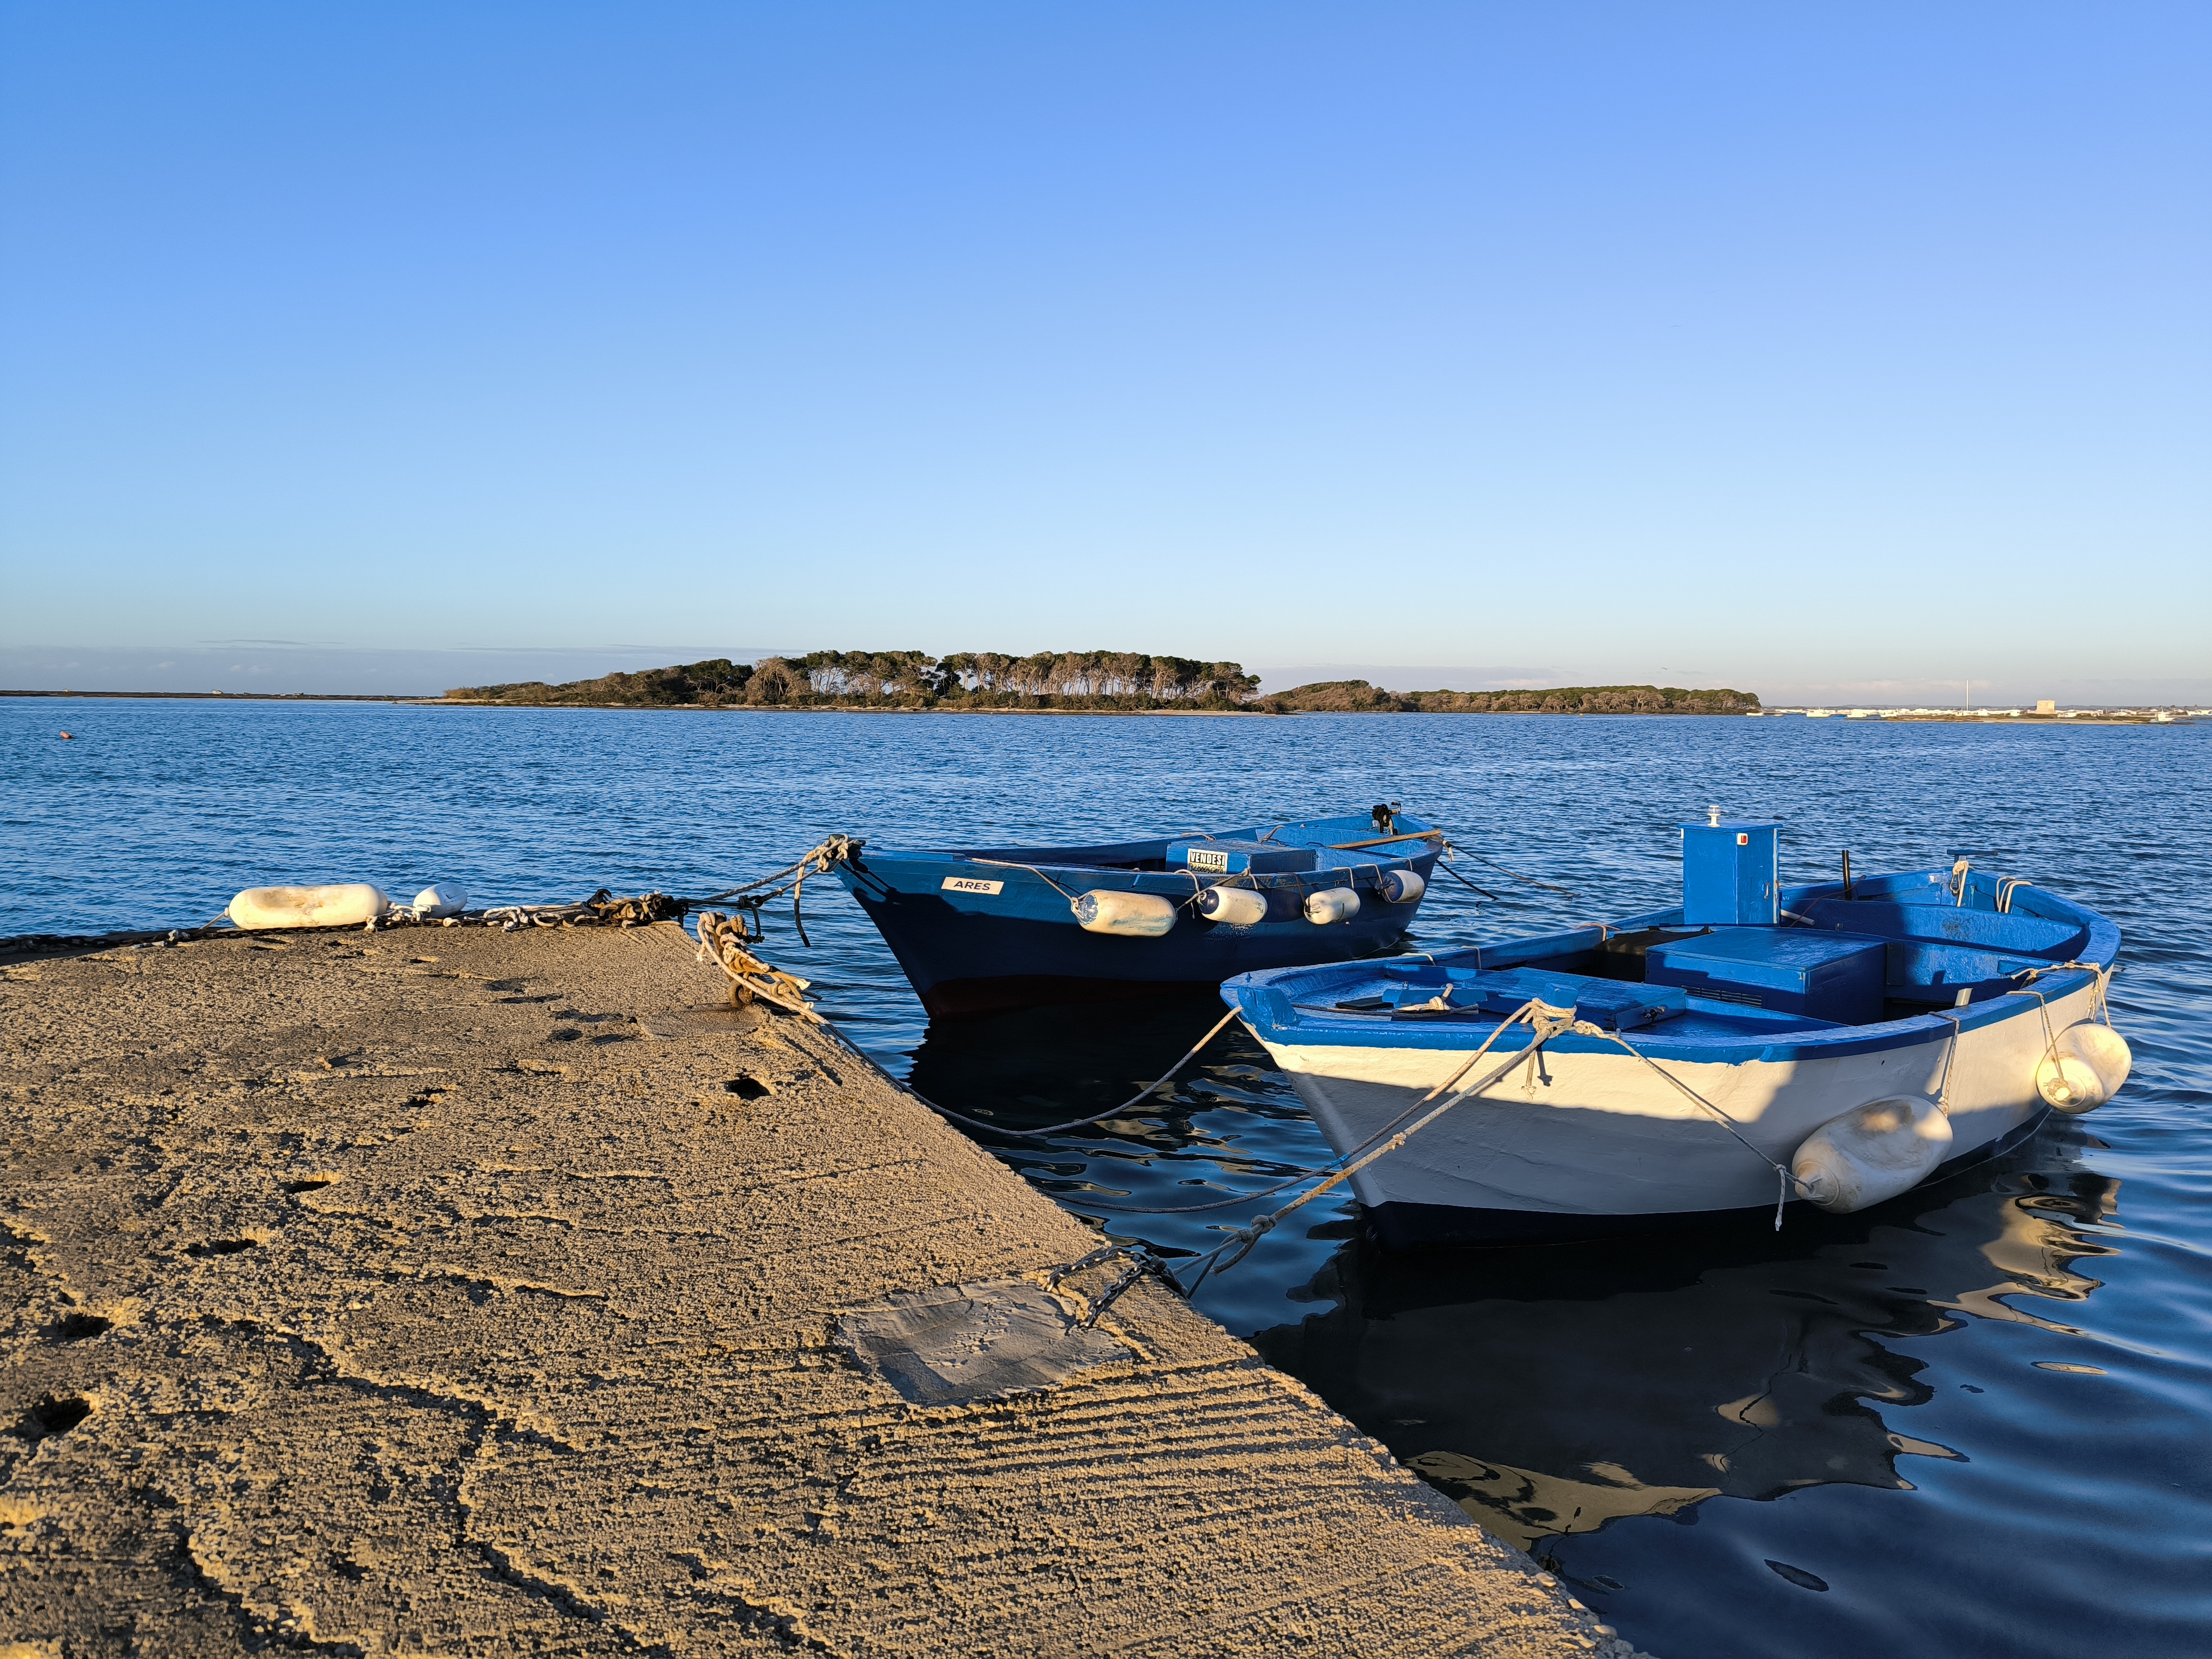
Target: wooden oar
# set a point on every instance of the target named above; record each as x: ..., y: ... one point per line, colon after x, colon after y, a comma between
x: 1383, y: 841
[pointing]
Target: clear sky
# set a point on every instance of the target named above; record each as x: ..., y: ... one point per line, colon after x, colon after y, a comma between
x: 1830, y: 352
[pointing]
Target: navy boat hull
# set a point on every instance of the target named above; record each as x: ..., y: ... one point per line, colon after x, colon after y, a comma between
x: 982, y: 932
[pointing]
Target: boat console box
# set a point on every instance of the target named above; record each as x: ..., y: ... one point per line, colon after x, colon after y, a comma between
x: 1834, y: 976
x: 1825, y: 1044
x: 983, y: 930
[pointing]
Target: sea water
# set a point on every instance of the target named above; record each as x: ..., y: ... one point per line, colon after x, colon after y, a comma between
x: 1977, y: 1419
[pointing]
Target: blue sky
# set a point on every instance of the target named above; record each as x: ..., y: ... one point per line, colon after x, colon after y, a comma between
x: 1832, y: 352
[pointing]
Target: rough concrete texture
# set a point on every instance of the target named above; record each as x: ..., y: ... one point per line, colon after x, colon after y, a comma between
x: 450, y: 1290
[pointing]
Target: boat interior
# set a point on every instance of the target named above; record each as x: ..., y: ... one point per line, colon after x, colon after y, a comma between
x: 1345, y: 842
x: 1888, y: 949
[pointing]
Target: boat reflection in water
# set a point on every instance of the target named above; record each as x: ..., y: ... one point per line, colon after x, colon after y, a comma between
x: 1552, y: 1390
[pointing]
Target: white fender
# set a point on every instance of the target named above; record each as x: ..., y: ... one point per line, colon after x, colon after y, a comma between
x: 1332, y: 904
x: 344, y: 904
x: 1237, y: 906
x: 1140, y: 916
x: 440, y: 899
x: 2084, y: 1069
x: 1403, y: 886
x: 1872, y: 1152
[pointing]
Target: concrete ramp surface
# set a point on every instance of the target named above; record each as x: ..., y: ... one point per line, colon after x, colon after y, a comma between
x: 962, y: 1342
x: 449, y: 1291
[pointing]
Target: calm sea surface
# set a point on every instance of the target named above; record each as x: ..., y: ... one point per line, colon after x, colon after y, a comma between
x: 1976, y: 1421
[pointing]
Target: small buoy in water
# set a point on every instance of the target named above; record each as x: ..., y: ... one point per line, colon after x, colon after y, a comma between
x: 440, y: 899
x: 2084, y: 1069
x: 1235, y: 907
x: 1140, y: 915
x: 66, y: 738
x: 1872, y: 1152
x: 1403, y: 886
x: 1332, y: 904
x: 343, y: 904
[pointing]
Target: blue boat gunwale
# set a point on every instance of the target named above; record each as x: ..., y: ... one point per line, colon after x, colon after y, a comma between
x: 1120, y: 864
x: 1254, y: 995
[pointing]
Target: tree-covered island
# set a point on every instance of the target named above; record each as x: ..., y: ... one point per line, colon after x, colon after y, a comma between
x: 1104, y: 682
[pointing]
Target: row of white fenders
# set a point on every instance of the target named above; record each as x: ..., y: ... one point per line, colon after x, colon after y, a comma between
x: 1147, y: 915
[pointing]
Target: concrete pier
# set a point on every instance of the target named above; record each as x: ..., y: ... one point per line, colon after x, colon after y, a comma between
x: 449, y: 1291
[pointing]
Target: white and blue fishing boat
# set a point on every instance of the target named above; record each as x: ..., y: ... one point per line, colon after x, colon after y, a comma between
x: 1833, y: 1044
x: 982, y: 930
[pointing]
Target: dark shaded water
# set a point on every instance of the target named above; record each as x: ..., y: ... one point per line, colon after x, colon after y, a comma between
x: 1976, y: 1421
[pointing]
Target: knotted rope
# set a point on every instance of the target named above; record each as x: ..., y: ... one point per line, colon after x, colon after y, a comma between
x: 722, y: 942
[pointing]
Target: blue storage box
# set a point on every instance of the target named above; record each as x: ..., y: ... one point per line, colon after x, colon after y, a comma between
x: 1233, y: 858
x: 1730, y: 875
x: 1791, y: 970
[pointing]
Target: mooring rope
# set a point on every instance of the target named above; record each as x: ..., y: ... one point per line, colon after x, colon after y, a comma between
x: 1293, y: 1178
x: 1465, y: 883
x: 1545, y: 1020
x: 1008, y: 864
x: 723, y: 942
x: 1788, y: 1179
x: 1144, y: 1261
x: 1080, y: 1122
x: 1451, y: 846
x: 604, y: 909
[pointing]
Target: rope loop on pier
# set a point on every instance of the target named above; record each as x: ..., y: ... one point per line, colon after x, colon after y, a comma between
x: 722, y: 941
x: 633, y: 912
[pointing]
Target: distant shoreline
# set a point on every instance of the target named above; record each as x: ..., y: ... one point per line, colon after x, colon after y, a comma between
x: 239, y: 697
x: 400, y: 700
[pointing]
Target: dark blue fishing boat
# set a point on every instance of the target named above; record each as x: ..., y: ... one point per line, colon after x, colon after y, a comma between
x: 981, y: 930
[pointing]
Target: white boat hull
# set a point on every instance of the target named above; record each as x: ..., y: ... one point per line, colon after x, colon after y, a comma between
x: 1583, y: 1135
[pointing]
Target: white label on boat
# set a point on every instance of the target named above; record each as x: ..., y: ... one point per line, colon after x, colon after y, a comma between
x: 971, y: 884
x: 1206, y: 858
